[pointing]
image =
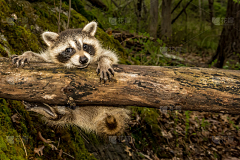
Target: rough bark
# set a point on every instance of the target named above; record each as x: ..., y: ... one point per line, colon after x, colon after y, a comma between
x: 153, y: 18
x: 201, y: 89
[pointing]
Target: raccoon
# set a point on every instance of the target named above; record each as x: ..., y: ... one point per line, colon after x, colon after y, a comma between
x: 73, y: 48
x: 78, y: 48
x: 102, y: 121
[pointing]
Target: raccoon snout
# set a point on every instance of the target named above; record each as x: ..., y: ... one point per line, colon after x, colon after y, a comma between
x: 83, y: 59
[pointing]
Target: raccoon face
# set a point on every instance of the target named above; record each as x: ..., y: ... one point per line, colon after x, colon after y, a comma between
x: 73, y: 47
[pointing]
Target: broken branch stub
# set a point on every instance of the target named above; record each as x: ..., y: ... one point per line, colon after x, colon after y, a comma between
x: 201, y: 89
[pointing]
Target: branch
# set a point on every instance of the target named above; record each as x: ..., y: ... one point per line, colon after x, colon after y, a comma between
x: 181, y: 12
x: 199, y: 89
x: 123, y: 5
x: 176, y: 6
x: 115, y: 3
x: 99, y: 4
x: 102, y: 6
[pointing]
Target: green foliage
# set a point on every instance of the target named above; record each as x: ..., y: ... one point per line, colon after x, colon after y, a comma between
x: 78, y: 6
x: 150, y: 122
x: 187, y: 122
x: 21, y: 37
x: 204, y: 123
x: 236, y: 1
x: 231, y: 64
x: 213, y: 63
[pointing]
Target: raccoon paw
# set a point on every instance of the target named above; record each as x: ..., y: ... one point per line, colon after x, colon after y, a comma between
x: 106, y: 72
x: 19, y: 60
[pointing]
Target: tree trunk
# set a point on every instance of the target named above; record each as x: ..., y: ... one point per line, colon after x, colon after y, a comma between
x: 166, y: 27
x: 153, y: 18
x: 200, y: 13
x: 139, y: 10
x: 69, y: 14
x: 229, y: 40
x: 210, y: 2
x: 200, y: 89
x: 59, y: 16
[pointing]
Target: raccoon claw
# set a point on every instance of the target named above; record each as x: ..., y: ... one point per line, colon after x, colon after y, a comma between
x: 105, y: 73
x: 19, y: 60
x: 98, y: 71
x: 13, y: 56
x: 111, y: 71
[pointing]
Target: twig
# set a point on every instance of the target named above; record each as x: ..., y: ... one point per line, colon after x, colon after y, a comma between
x: 43, y: 139
x: 68, y: 155
x: 39, y: 149
x: 81, y: 134
x: 23, y: 146
x: 36, y: 150
x: 58, y: 142
x: 15, y: 117
x: 115, y: 3
x: 145, y: 155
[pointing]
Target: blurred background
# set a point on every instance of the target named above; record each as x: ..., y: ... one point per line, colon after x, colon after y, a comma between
x: 187, y: 33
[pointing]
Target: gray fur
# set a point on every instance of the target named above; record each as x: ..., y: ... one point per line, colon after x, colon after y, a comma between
x: 82, y: 44
x: 68, y: 49
x: 99, y: 120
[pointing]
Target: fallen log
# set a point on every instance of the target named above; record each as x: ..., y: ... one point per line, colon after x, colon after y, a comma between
x: 199, y: 89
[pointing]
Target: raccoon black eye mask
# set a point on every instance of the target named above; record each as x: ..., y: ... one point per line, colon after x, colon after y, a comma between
x: 73, y: 48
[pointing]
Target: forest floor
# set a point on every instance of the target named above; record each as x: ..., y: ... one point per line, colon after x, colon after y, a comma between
x: 191, y: 134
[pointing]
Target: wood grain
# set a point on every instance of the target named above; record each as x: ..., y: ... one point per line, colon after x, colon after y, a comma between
x: 201, y: 89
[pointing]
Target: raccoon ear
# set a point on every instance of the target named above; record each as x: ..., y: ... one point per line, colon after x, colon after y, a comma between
x: 49, y: 37
x: 90, y: 28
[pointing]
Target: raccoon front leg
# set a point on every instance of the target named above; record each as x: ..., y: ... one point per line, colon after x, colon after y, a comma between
x: 20, y: 60
x: 105, y: 69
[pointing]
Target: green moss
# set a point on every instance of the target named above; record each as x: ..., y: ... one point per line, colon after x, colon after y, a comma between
x: 3, y: 145
x: 78, y: 6
x: 150, y: 120
x: 22, y: 37
x: 7, y: 148
x: 3, y: 156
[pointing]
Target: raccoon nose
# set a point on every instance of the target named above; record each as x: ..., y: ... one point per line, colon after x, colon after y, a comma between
x: 83, y: 59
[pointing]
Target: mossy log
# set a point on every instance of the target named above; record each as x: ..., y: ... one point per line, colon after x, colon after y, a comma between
x: 201, y: 89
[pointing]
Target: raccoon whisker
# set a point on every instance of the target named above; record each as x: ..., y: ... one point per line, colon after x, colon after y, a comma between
x: 89, y: 119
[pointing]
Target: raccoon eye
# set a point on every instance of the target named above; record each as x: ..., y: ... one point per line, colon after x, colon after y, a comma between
x: 69, y: 50
x: 85, y: 46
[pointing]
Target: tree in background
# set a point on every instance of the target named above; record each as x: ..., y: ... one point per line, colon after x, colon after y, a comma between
x: 59, y: 16
x: 229, y: 41
x: 154, y: 18
x: 139, y: 10
x: 69, y: 14
x: 166, y: 27
x: 211, y: 13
